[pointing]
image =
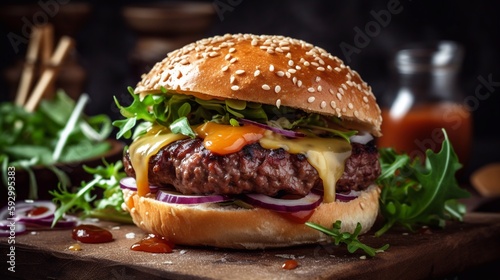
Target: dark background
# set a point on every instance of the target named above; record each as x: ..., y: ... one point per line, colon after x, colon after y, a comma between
x: 105, y: 43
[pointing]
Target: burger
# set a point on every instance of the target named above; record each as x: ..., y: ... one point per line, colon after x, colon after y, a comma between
x: 238, y: 140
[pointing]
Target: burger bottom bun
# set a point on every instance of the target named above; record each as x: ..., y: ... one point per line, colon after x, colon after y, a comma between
x: 258, y: 228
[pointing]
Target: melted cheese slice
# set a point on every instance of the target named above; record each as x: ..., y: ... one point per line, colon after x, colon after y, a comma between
x: 146, y: 146
x: 326, y: 155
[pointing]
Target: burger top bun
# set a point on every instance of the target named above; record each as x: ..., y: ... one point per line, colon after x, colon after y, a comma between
x: 267, y: 69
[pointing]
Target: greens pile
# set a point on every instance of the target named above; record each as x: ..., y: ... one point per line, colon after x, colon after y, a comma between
x: 57, y: 132
x: 99, y: 198
x: 180, y: 112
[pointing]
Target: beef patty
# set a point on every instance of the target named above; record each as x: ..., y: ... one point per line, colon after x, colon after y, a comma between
x: 192, y: 169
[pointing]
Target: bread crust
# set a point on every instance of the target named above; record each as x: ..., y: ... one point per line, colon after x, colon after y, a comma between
x: 274, y: 70
x: 258, y: 228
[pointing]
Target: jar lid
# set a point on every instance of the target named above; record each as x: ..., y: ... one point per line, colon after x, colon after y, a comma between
x: 430, y: 56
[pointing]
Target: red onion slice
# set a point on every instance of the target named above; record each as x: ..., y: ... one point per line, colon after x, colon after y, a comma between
x: 308, y: 202
x: 64, y: 223
x: 27, y: 210
x: 11, y: 228
x: 284, y: 132
x: 178, y: 198
x: 346, y: 197
x: 129, y: 183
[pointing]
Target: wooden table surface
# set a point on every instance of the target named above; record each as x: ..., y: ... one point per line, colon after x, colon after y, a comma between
x: 459, y: 248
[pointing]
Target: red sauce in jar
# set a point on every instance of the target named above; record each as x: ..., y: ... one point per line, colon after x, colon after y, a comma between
x: 153, y: 243
x: 91, y: 234
x: 420, y: 129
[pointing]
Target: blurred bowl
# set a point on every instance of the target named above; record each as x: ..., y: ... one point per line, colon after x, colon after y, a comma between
x: 169, y: 19
x: 47, y: 180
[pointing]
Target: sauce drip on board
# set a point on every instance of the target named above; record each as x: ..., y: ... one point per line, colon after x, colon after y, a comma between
x: 290, y: 264
x: 91, y: 234
x: 153, y: 243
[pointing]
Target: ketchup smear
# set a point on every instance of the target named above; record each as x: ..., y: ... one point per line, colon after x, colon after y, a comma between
x: 91, y: 234
x: 153, y: 243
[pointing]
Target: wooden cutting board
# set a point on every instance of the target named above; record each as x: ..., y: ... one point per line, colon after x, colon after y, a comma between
x: 456, y: 250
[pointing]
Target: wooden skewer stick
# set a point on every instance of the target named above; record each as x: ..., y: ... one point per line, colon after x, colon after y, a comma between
x: 48, y: 75
x: 29, y: 66
x: 45, y: 54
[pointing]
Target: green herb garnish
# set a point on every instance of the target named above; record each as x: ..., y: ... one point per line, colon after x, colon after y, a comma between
x: 85, y: 199
x: 57, y: 132
x: 180, y: 112
x: 420, y: 194
x: 350, y: 239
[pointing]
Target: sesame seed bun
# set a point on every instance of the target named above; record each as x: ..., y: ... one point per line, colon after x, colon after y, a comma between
x: 267, y: 69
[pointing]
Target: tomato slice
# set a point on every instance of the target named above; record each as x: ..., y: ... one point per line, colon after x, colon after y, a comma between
x: 300, y: 217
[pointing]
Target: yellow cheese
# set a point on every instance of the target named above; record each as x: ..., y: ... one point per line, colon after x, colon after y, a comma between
x: 146, y: 146
x: 326, y: 155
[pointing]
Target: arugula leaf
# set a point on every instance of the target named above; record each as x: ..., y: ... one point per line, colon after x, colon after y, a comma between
x: 350, y: 239
x: 181, y: 126
x: 420, y: 194
x: 84, y: 199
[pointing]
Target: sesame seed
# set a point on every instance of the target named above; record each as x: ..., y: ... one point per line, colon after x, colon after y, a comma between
x: 362, y: 205
x: 323, y: 104
x: 320, y: 88
x: 356, y: 114
x: 278, y: 49
x: 339, y: 96
x: 184, y: 62
x: 311, y: 99
x: 232, y: 50
x: 290, y: 63
x: 254, y: 42
x: 280, y: 73
x: 277, y: 89
x: 256, y: 73
x: 266, y: 87
x: 239, y: 72
x: 318, y: 79
x: 331, y: 91
x: 314, y: 63
x: 365, y: 99
x: 285, y: 48
x: 213, y: 54
x: 294, y: 80
x: 224, y: 68
x: 350, y: 105
x: 270, y: 50
x: 333, y: 104
x: 329, y: 67
x: 227, y: 57
x: 263, y: 47
x: 233, y: 60
x: 341, y: 91
x: 337, y: 69
x: 298, y: 67
x: 235, y: 87
x: 299, y: 83
x: 291, y: 70
x: 311, y: 89
x: 320, y: 68
x: 278, y: 103
x: 231, y: 79
x: 289, y: 55
x: 288, y: 75
x: 271, y: 68
x: 306, y: 63
x: 344, y: 110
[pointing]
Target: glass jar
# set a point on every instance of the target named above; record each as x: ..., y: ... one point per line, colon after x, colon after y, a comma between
x: 424, y: 97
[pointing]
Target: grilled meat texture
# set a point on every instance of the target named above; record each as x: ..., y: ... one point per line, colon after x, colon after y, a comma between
x: 191, y: 169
